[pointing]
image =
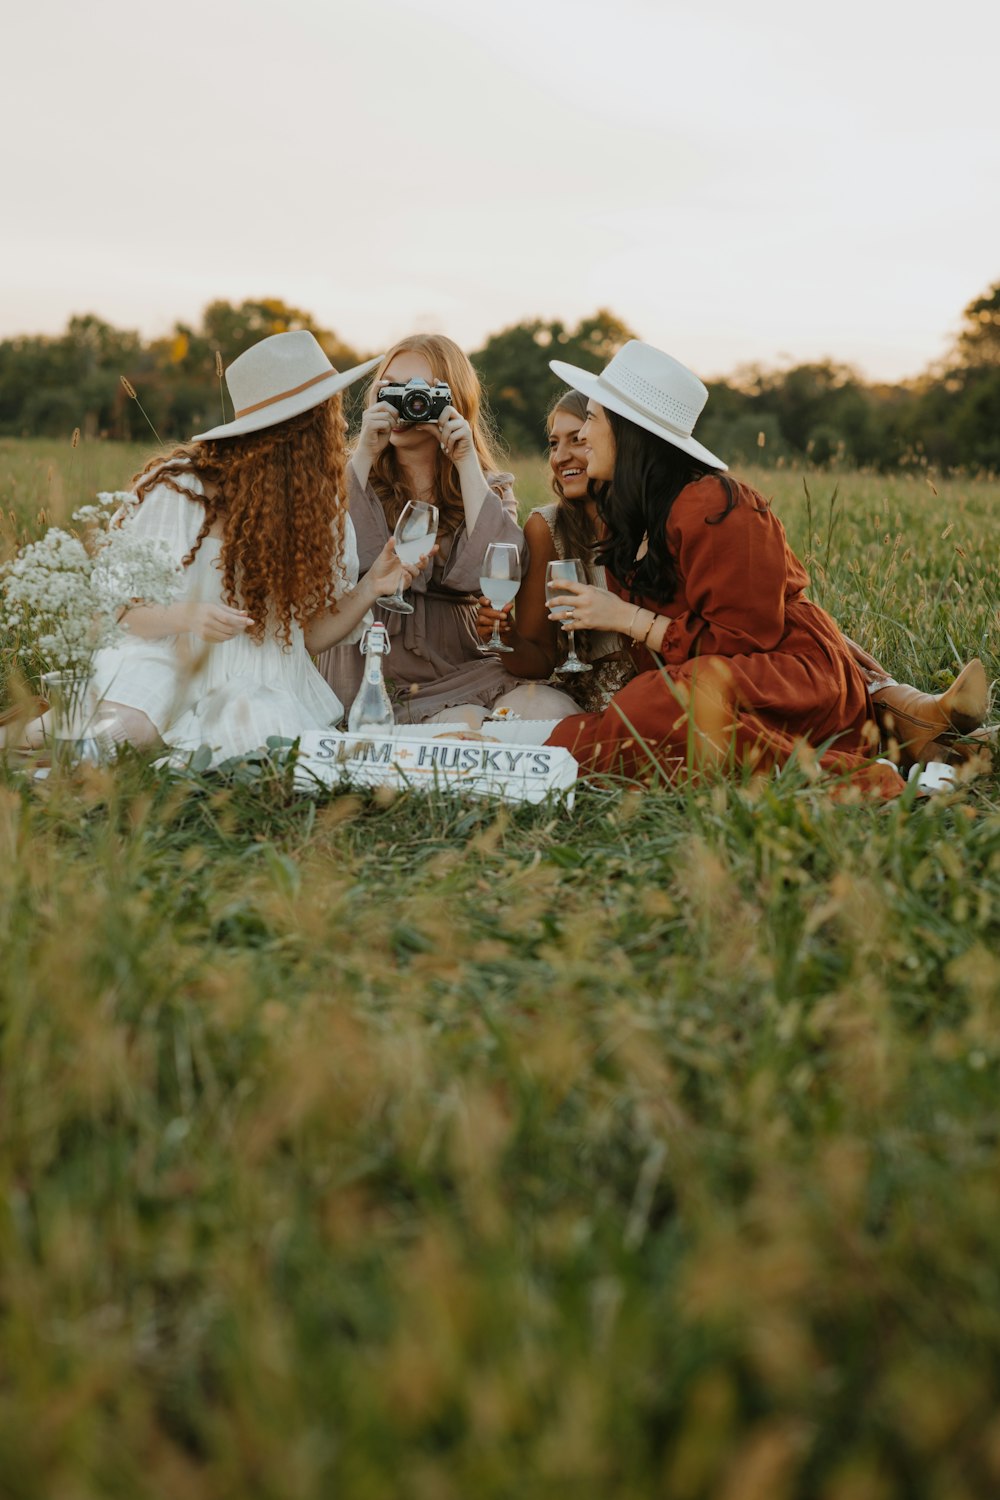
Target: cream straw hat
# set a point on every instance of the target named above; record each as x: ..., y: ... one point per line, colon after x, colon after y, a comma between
x: 649, y: 388
x: 281, y: 376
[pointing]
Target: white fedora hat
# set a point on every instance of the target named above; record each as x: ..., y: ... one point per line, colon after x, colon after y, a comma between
x: 281, y: 376
x: 649, y: 388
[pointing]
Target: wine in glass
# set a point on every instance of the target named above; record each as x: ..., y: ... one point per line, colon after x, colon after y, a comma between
x: 559, y: 571
x: 500, y: 580
x: 415, y: 534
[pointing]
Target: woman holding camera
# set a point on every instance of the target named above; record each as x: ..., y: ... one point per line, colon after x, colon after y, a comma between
x: 442, y: 455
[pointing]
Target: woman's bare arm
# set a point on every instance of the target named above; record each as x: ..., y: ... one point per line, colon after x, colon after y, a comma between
x: 328, y: 627
x: 530, y: 632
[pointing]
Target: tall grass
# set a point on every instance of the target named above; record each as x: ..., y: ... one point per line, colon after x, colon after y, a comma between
x: 394, y: 1147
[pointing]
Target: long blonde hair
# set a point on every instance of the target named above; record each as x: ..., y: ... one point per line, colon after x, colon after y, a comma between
x: 449, y: 364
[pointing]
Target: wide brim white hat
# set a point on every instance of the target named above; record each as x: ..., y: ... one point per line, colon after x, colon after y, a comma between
x: 280, y: 377
x: 650, y: 389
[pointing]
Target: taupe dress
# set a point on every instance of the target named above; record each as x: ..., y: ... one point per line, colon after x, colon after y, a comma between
x: 434, y: 661
x: 604, y: 649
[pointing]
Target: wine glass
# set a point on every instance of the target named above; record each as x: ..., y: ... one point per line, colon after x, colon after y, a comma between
x: 415, y: 534
x: 500, y: 579
x: 559, y: 571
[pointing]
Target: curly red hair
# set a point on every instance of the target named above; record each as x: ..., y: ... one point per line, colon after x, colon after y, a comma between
x: 278, y: 494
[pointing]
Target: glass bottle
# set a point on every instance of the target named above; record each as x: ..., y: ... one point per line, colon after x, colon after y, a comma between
x: 371, y: 711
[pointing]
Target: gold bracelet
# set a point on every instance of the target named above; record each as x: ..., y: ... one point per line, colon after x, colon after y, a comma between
x: 649, y: 628
x: 632, y: 621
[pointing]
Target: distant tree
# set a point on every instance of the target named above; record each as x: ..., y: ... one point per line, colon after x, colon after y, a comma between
x: 51, y: 385
x: 731, y: 428
x: 26, y: 365
x: 231, y: 329
x: 823, y: 411
x: 977, y: 425
x: 952, y: 419
x: 975, y: 384
x: 736, y: 431
x: 514, y: 368
x: 594, y: 340
x: 99, y: 355
x: 186, y: 359
x: 183, y: 384
x: 803, y: 398
x: 979, y: 340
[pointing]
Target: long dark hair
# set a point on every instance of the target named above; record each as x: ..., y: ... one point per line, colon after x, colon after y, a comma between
x: 649, y: 474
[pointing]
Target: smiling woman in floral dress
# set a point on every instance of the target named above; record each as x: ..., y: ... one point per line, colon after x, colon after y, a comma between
x: 568, y: 527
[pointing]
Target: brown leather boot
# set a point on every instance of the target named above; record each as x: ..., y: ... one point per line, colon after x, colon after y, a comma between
x: 914, y: 720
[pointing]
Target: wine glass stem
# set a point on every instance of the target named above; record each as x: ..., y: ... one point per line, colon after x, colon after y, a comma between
x: 572, y: 646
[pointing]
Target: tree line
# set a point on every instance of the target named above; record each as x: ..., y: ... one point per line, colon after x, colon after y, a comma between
x: 110, y: 383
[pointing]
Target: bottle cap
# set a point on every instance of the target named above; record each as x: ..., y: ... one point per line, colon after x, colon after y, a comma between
x: 375, y: 638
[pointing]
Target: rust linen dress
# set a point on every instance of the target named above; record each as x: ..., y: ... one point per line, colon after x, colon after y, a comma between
x: 434, y: 660
x: 750, y: 667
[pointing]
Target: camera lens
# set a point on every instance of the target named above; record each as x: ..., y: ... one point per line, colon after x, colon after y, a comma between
x: 415, y: 406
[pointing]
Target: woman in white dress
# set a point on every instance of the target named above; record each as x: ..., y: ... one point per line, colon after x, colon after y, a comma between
x: 255, y: 515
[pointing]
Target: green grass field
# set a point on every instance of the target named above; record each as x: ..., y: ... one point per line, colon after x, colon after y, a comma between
x: 416, y: 1148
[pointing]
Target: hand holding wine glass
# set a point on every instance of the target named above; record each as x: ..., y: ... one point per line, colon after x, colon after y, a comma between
x: 559, y: 571
x: 500, y: 580
x: 414, y: 536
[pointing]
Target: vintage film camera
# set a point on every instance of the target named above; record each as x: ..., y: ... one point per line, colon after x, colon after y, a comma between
x: 416, y: 401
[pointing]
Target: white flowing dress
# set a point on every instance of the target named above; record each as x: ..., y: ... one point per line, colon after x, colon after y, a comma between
x: 230, y: 695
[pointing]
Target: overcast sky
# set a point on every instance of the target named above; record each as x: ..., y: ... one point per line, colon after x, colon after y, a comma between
x: 773, y: 182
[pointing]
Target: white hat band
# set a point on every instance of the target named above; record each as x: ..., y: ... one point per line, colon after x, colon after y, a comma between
x: 648, y: 411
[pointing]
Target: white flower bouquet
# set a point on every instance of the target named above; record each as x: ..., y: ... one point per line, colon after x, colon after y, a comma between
x: 65, y: 594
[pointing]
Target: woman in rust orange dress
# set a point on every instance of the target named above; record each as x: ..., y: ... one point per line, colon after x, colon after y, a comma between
x: 737, y: 668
